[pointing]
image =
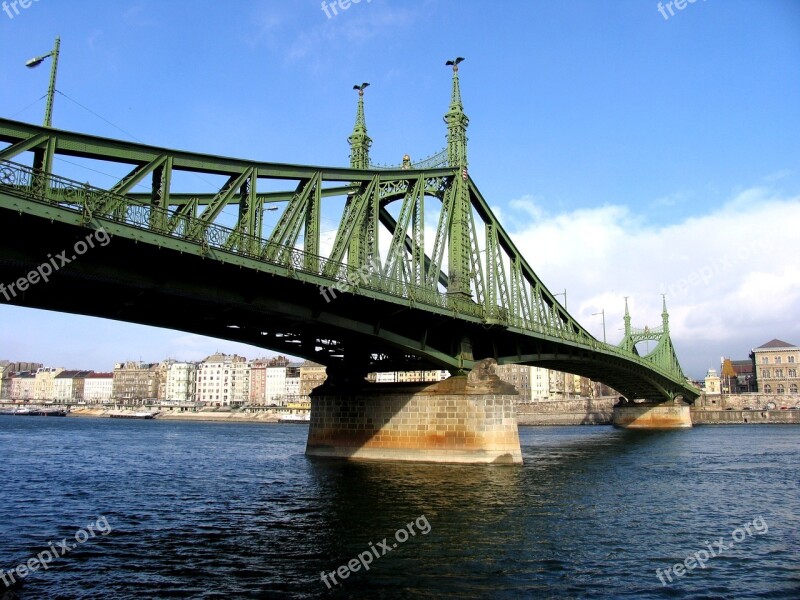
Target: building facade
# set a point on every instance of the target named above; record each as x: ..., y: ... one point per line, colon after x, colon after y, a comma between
x: 519, y: 376
x: 776, y: 364
x: 98, y: 388
x: 275, y: 385
x: 223, y: 380
x: 68, y: 386
x: 291, y: 391
x: 135, y: 383
x: 44, y: 383
x: 23, y: 387
x: 537, y: 384
x: 712, y: 383
x: 180, y: 382
x: 311, y: 375
x: 737, y: 376
x: 407, y: 376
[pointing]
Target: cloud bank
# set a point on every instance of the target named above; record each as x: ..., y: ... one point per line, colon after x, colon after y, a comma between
x: 731, y: 277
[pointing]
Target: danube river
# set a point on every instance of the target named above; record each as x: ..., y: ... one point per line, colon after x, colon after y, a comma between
x: 156, y: 509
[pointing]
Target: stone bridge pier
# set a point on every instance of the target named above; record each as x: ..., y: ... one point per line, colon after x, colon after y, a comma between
x: 671, y: 414
x: 464, y: 419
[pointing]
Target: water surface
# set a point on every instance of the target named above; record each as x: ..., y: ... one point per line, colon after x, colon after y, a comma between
x: 221, y: 510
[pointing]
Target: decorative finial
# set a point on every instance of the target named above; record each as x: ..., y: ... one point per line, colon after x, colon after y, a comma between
x: 457, y: 122
x: 359, y: 140
x: 627, y: 318
x: 454, y: 63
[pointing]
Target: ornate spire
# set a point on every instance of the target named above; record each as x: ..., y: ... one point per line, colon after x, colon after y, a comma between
x: 664, y: 314
x: 457, y: 122
x: 627, y: 319
x: 359, y: 140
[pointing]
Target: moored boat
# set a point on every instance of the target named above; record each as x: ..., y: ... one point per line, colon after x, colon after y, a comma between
x: 295, y: 418
x: 134, y: 415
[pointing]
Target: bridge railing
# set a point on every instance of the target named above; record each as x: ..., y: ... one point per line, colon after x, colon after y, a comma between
x: 93, y: 202
x: 434, y: 161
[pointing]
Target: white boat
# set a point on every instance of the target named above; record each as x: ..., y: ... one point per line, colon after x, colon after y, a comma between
x: 296, y: 418
x: 134, y: 415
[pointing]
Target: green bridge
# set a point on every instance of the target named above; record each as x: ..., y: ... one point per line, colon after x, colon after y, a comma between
x: 379, y: 298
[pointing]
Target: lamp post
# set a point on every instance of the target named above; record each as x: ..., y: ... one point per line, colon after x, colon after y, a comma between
x: 564, y: 293
x: 602, y: 312
x: 51, y: 90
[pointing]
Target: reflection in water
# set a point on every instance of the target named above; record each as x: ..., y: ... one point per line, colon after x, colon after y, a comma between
x: 237, y: 511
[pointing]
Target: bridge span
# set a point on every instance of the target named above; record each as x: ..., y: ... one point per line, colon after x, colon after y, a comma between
x: 379, y: 297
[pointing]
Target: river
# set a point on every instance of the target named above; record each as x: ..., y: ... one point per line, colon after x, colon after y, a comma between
x: 160, y: 509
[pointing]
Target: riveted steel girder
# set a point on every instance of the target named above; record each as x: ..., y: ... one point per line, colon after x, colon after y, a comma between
x: 403, y: 306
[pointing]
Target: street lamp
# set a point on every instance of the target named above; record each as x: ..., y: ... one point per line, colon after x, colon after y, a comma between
x: 51, y: 90
x: 602, y: 312
x: 564, y: 293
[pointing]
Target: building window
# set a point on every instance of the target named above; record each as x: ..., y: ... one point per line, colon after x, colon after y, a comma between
x: 765, y: 360
x: 778, y: 372
x: 777, y: 360
x: 791, y: 359
x: 764, y: 373
x: 792, y: 372
x: 768, y: 389
x: 780, y: 389
x: 793, y: 388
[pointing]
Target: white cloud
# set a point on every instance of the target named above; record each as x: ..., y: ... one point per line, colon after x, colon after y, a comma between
x: 356, y: 25
x: 731, y: 276
x: 778, y: 175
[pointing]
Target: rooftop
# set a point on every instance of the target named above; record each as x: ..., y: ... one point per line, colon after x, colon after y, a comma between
x: 776, y: 343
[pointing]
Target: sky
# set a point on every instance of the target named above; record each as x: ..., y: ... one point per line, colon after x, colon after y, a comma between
x: 629, y: 151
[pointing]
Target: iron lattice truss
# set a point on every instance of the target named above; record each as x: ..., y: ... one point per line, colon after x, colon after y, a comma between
x: 379, y: 296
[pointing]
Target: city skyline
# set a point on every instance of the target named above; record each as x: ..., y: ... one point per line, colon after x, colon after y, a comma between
x: 610, y: 163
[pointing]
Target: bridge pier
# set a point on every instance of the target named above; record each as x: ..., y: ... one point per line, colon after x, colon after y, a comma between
x: 464, y: 419
x: 672, y: 414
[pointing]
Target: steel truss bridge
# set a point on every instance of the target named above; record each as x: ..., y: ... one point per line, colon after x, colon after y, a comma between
x: 379, y: 297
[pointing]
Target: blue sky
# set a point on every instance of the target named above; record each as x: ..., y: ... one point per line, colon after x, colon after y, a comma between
x: 628, y: 154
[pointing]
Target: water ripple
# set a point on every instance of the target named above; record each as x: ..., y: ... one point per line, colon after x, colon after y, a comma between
x: 237, y: 511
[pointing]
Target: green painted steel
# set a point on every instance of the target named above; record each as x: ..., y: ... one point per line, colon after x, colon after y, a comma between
x: 487, y: 284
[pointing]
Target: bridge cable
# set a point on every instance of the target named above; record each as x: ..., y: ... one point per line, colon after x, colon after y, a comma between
x: 102, y: 118
x: 86, y: 108
x: 27, y: 107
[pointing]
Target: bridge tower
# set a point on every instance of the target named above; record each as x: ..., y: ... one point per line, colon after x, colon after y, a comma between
x: 671, y: 414
x: 359, y: 141
x: 468, y: 418
x: 459, y: 239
